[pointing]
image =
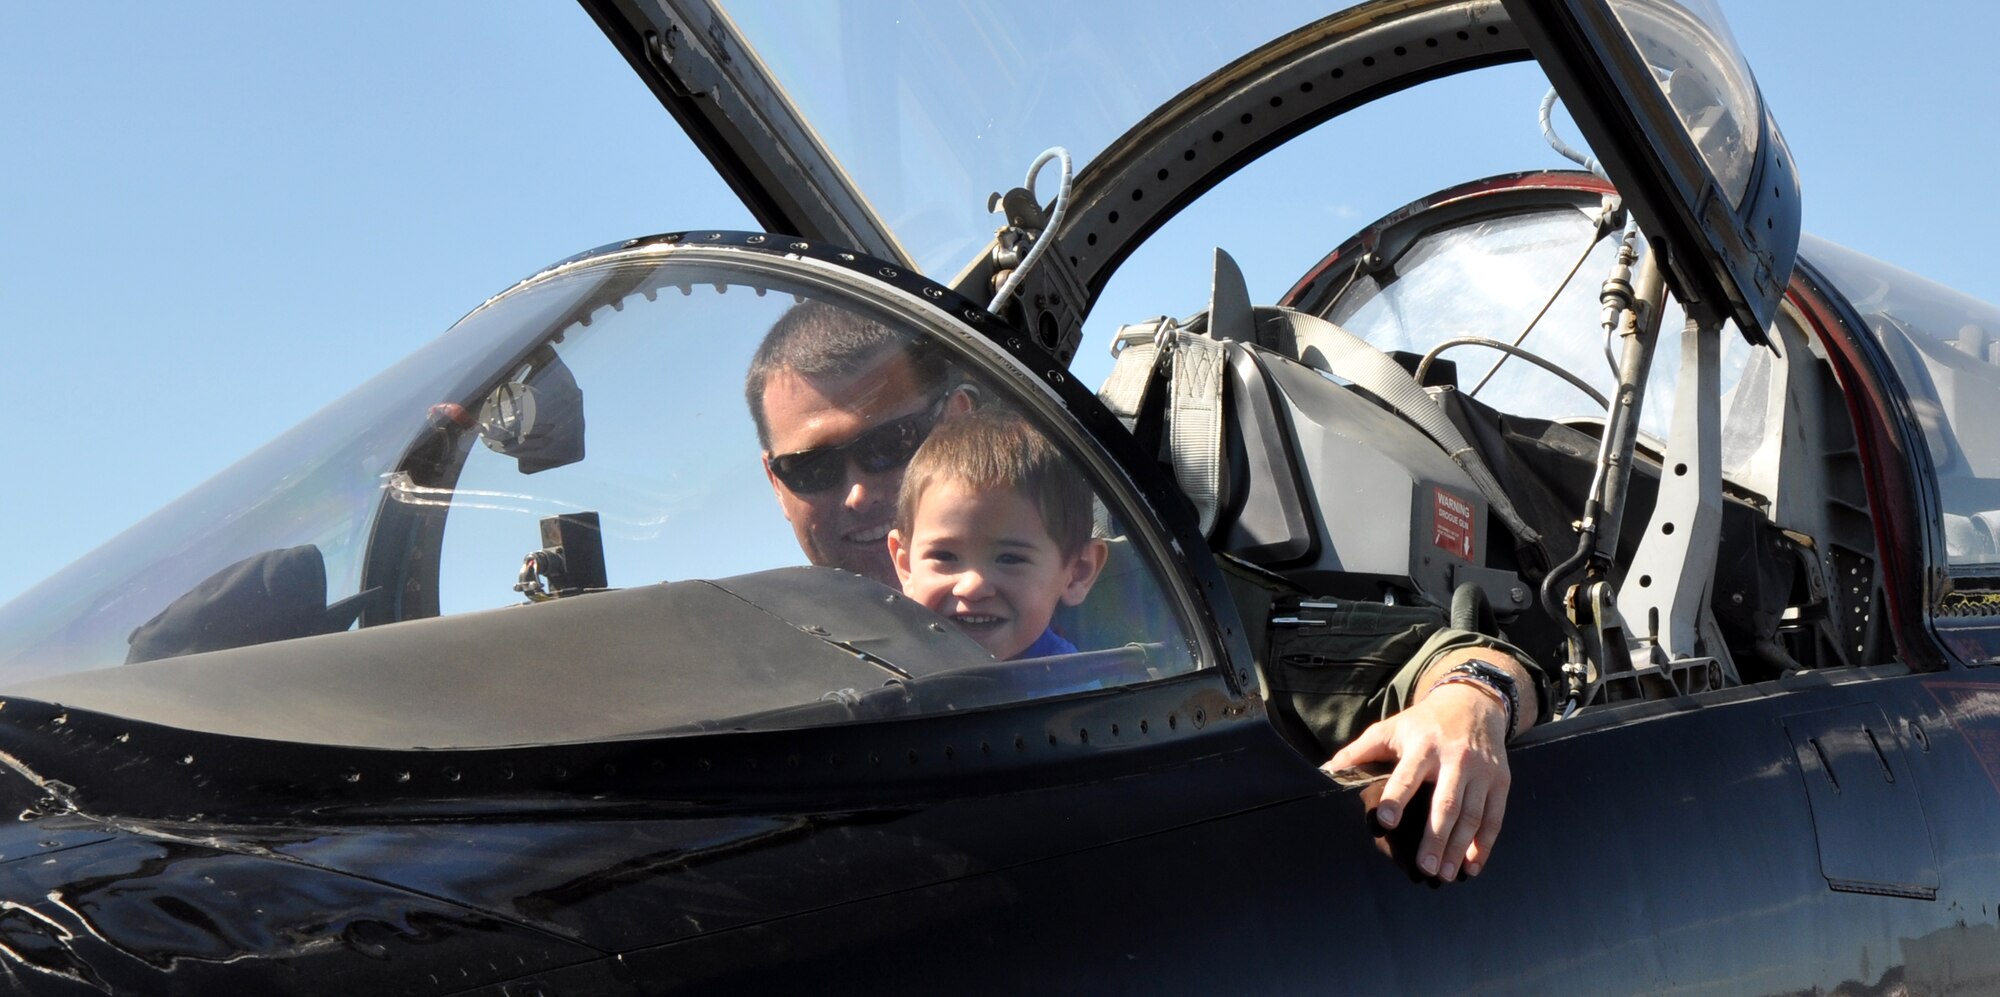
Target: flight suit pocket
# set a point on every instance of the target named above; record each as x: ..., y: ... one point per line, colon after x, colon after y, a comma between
x: 1330, y: 663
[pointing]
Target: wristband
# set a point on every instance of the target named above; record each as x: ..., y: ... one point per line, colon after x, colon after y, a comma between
x: 1493, y: 678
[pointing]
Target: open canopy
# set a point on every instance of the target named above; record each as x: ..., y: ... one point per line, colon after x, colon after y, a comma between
x: 886, y: 126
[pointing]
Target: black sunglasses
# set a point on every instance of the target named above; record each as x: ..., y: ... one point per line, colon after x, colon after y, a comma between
x: 884, y: 448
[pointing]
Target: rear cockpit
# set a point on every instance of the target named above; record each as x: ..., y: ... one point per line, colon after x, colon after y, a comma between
x: 1427, y: 409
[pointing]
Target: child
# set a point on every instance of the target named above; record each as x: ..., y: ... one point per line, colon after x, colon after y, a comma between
x: 992, y: 531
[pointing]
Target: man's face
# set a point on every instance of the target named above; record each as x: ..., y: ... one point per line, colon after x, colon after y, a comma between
x: 842, y: 526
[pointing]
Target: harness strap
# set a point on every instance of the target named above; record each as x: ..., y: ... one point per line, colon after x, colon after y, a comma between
x: 1324, y: 346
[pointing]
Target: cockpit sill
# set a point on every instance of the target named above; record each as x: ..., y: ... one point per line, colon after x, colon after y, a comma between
x: 114, y: 767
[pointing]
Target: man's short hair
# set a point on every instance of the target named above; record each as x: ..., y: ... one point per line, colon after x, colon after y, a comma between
x: 816, y: 339
x: 990, y: 449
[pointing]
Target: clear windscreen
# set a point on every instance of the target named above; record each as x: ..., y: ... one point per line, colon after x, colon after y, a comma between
x: 930, y: 107
x: 1531, y: 281
x: 1698, y: 68
x: 1945, y: 346
x: 669, y: 427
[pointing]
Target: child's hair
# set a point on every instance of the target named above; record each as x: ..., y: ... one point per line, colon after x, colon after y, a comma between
x: 990, y: 448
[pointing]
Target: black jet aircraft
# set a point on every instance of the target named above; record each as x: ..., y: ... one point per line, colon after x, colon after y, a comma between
x: 501, y: 675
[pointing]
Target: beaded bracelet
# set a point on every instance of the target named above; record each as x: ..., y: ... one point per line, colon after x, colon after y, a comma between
x: 1493, y: 680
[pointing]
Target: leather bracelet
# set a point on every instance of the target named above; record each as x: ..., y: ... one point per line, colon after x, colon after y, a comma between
x: 1492, y: 678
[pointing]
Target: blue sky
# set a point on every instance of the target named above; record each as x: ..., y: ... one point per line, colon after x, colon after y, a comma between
x: 218, y: 218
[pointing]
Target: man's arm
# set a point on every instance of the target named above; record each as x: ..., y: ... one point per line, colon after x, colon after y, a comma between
x: 1453, y: 734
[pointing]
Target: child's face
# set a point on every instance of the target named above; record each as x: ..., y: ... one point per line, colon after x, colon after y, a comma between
x: 986, y: 561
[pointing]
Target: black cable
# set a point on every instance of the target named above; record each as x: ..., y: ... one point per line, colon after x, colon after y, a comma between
x: 1424, y: 365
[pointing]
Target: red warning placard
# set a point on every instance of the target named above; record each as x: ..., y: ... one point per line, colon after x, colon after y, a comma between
x: 1451, y: 524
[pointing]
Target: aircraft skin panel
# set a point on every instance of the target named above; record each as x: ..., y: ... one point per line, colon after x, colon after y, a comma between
x: 1972, y: 708
x: 1862, y: 793
x: 157, y: 913
x: 642, y: 881
x: 1706, y: 859
x: 1692, y: 895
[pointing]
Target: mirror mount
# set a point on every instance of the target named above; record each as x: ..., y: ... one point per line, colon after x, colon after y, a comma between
x: 571, y: 561
x: 536, y: 419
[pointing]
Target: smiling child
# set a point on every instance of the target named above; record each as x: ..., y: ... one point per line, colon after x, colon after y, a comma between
x: 992, y: 532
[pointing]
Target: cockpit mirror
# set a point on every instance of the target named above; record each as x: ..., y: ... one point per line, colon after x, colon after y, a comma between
x: 536, y: 419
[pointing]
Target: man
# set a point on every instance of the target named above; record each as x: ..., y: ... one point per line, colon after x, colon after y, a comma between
x: 841, y: 404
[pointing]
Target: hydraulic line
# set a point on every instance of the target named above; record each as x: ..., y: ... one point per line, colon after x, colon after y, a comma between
x: 1604, y: 503
x: 1047, y: 237
x: 1556, y: 142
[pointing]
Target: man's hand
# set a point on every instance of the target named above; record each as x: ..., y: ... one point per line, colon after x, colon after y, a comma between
x: 1454, y: 735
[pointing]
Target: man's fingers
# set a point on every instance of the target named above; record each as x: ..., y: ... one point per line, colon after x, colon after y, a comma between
x: 1411, y: 772
x: 1371, y: 746
x: 1471, y: 821
x: 1376, y: 744
x: 1471, y: 780
x: 1447, y: 801
x: 1481, y: 851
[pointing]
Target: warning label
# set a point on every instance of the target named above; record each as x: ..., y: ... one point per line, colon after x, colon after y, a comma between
x: 1451, y: 524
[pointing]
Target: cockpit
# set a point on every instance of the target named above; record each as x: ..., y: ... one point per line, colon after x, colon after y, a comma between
x: 554, y: 524
x: 585, y: 432
x: 560, y: 521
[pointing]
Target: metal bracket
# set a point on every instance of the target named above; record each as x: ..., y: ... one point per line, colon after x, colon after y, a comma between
x: 702, y: 71
x: 1504, y: 589
x: 1050, y: 298
x: 570, y: 562
x: 1666, y: 587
